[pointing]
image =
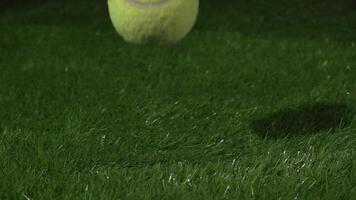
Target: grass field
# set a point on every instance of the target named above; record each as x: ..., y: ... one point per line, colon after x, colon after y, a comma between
x: 256, y: 103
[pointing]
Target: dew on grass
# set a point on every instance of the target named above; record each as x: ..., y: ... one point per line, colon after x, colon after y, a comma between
x: 233, y: 162
x: 171, y: 178
x: 188, y: 181
x: 102, y: 140
x: 325, y: 63
x: 60, y: 147
x: 86, y: 188
x: 154, y: 121
x: 303, y: 166
x: 303, y: 181
x: 227, y: 189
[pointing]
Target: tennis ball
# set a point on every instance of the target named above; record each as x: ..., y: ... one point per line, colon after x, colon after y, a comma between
x: 153, y: 21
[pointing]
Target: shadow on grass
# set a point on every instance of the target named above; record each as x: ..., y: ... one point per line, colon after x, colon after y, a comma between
x: 304, y: 120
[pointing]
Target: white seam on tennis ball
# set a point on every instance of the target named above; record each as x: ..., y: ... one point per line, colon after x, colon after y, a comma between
x: 147, y: 4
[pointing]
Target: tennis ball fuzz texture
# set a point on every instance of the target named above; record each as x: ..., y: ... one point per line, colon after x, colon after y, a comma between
x: 153, y: 21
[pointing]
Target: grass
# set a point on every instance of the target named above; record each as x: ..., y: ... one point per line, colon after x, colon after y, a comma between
x: 84, y: 115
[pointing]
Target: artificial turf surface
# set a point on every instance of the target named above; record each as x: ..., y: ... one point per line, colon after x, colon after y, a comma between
x: 256, y: 103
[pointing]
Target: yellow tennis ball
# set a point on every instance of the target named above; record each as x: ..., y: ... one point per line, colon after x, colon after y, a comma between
x: 153, y: 21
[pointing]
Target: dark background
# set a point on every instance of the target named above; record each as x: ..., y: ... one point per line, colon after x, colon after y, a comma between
x: 17, y: 3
